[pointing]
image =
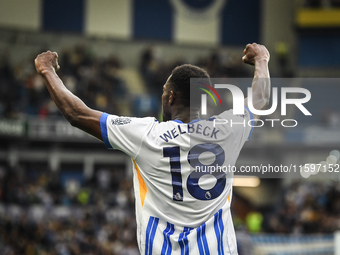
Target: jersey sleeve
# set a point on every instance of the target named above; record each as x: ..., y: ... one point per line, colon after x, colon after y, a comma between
x: 125, y: 133
x: 242, y: 122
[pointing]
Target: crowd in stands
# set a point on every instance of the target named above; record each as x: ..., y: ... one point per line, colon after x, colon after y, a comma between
x: 62, y: 213
x: 95, y: 80
x: 42, y: 212
x: 306, y: 208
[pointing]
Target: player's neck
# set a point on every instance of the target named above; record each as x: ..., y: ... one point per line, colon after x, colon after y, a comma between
x: 185, y: 115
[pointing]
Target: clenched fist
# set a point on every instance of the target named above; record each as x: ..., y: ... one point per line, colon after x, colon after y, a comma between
x: 254, y: 52
x: 46, y: 61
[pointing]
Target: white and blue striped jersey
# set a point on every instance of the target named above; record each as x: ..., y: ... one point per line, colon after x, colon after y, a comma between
x: 182, y: 201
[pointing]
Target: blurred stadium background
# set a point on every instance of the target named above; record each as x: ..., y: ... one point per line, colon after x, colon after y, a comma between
x: 62, y: 192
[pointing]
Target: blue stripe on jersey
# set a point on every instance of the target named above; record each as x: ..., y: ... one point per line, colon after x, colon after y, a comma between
x: 103, y: 129
x: 221, y: 225
x: 183, y: 241
x: 150, y: 234
x: 202, y: 240
x: 199, y: 242
x: 219, y: 228
x: 205, y: 242
x: 252, y: 121
x: 167, y: 248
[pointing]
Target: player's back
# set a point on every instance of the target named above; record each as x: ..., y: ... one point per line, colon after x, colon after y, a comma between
x: 182, y: 198
x: 187, y: 201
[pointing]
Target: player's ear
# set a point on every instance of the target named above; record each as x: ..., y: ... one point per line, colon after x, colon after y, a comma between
x: 171, y: 97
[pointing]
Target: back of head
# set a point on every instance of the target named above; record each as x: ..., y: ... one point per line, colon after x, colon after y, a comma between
x: 180, y: 81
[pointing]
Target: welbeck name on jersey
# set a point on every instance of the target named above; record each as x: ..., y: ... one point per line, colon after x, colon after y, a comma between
x: 190, y: 128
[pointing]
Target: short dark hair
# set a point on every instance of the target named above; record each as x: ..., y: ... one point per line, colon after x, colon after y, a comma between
x: 180, y: 80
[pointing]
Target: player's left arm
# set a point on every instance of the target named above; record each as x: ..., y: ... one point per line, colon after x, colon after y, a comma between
x: 74, y: 109
x: 257, y: 55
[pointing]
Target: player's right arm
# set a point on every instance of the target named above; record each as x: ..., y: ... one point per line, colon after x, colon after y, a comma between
x: 257, y: 55
x: 74, y: 109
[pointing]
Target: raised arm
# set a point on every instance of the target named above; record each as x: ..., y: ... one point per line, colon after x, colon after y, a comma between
x: 258, y: 55
x: 74, y: 109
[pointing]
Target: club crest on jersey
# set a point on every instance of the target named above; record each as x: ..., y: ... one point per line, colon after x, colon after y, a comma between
x: 207, y: 195
x: 120, y: 121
